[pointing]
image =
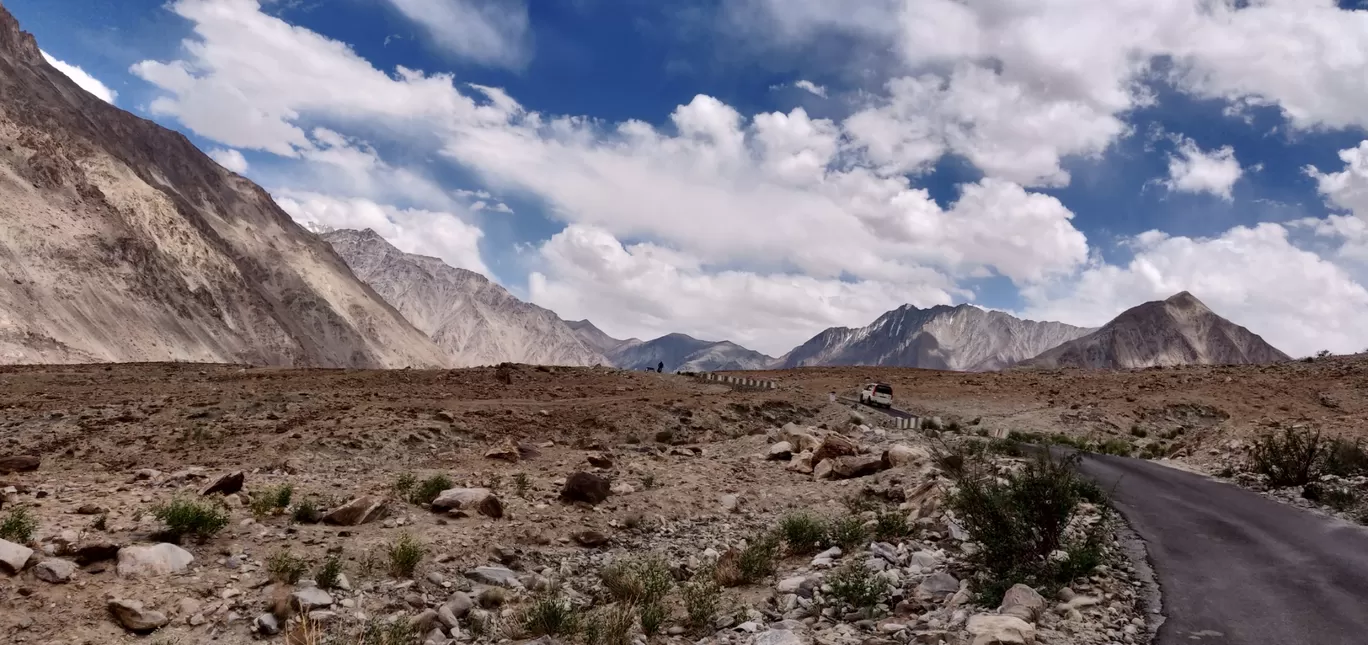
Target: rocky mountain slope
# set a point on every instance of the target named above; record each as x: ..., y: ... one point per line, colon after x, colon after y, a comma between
x: 963, y: 338
x: 686, y: 353
x: 1177, y: 331
x: 473, y: 320
x: 120, y: 241
x: 597, y: 339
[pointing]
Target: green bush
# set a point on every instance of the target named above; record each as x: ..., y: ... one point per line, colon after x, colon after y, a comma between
x: 892, y: 525
x: 285, y: 567
x: 18, y: 526
x: 404, y: 555
x: 702, y: 599
x: 759, y: 559
x: 522, y: 485
x: 652, y: 616
x: 1289, y: 459
x: 848, y: 533
x: 184, y: 517
x: 856, y: 586
x: 639, y: 581
x: 1115, y: 446
x: 428, y: 490
x: 611, y: 625
x: 306, y: 512
x: 1344, y: 458
x: 803, y: 532
x: 403, y: 485
x: 330, y: 574
x: 272, y: 500
x: 1019, y: 519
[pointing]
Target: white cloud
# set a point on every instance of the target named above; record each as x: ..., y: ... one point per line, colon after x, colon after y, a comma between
x: 810, y: 87
x: 494, y: 32
x: 438, y: 234
x: 230, y: 159
x: 83, y: 79
x: 645, y: 291
x: 1348, y: 188
x: 1193, y: 170
x: 1255, y: 276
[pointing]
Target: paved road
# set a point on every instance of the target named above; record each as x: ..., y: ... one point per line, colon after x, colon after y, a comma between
x: 1236, y: 568
x: 892, y: 412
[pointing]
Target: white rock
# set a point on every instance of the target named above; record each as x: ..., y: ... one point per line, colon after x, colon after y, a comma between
x: 54, y: 570
x: 13, y: 556
x: 988, y: 629
x: 134, y: 618
x: 938, y: 585
x: 154, y: 560
x: 790, y: 585
x: 730, y: 503
x: 778, y: 637
x: 310, y: 598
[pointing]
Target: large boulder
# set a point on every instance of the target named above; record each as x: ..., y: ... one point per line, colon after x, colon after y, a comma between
x: 779, y: 637
x: 494, y: 576
x: 226, y: 484
x: 19, y: 463
x: 855, y: 466
x: 779, y: 451
x: 13, y: 557
x: 55, y: 570
x: 833, y: 446
x: 307, y: 599
x: 585, y: 487
x: 991, y: 629
x: 153, y: 560
x: 937, y: 586
x: 481, y: 500
x: 800, y: 438
x: 800, y: 463
x: 134, y: 618
x: 506, y: 451
x: 94, y: 551
x: 358, y: 511
x: 899, y: 455
x: 1023, y: 602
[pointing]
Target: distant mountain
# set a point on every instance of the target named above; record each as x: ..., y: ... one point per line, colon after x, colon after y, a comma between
x: 963, y: 337
x: 595, y: 338
x: 474, y: 321
x: 122, y: 241
x: 1177, y: 331
x: 685, y: 353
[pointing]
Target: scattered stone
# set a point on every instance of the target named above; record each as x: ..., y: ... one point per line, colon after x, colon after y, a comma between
x: 899, y: 455
x: 361, y: 510
x: 989, y: 629
x: 54, y: 570
x: 1023, y: 602
x: 937, y: 586
x: 13, y: 556
x: 589, y: 538
x: 494, y: 576
x: 801, y: 463
x: 460, y: 603
x: 585, y: 487
x: 154, y: 560
x: 134, y: 618
x: 309, y: 598
x: 225, y: 484
x: 481, y: 500
x: 730, y: 502
x: 600, y: 461
x: 19, y: 464
x: 267, y: 625
x: 835, y: 445
x: 94, y: 551
x: 89, y: 509
x: 506, y: 451
x: 855, y: 466
x: 778, y: 637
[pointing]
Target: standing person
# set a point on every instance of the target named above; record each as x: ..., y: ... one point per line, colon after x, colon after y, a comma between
x: 660, y: 367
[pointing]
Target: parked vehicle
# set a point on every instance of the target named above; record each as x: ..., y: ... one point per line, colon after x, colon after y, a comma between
x: 877, y: 394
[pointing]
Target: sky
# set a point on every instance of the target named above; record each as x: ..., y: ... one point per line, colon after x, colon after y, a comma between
x: 760, y: 170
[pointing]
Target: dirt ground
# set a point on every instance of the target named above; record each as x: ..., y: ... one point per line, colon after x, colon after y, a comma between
x: 678, y: 444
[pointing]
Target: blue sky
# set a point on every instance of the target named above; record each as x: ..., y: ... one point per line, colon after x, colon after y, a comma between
x: 758, y: 170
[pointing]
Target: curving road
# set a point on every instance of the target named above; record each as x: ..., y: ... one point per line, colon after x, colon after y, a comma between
x: 1236, y: 568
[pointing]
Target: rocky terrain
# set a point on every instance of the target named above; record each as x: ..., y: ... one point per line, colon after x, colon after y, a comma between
x: 962, y: 338
x: 121, y: 241
x: 1177, y: 331
x: 476, y: 321
x: 505, y: 507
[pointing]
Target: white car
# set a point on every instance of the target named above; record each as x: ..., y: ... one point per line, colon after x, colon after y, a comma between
x: 877, y: 394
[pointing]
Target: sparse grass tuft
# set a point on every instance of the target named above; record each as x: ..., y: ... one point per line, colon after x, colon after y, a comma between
x: 702, y: 599
x: 648, y: 481
x: 611, y: 625
x: 271, y: 501
x: 522, y: 485
x: 892, y: 525
x: 403, y: 485
x: 1289, y: 459
x: 639, y: 581
x: 652, y: 616
x: 429, y: 489
x: 183, y: 517
x: 759, y: 559
x: 404, y: 555
x: 803, y: 532
x: 285, y: 567
x: 306, y: 512
x: 330, y: 574
x: 550, y: 616
x: 856, y: 586
x: 18, y: 526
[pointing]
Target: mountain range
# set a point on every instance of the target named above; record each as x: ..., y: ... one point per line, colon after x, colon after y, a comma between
x: 121, y: 241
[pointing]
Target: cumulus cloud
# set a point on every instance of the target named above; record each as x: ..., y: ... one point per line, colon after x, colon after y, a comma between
x: 83, y: 79
x: 493, y: 32
x: 1193, y: 170
x: 1255, y: 276
x: 230, y: 159
x: 437, y: 234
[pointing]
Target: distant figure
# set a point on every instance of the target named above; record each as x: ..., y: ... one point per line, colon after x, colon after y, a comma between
x: 660, y: 367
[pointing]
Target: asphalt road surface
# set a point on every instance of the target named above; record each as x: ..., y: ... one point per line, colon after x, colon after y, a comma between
x: 1236, y: 568
x: 892, y: 412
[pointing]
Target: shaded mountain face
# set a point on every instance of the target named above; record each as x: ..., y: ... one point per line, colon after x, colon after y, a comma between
x: 597, y: 339
x: 121, y: 241
x: 1177, y: 331
x: 945, y: 338
x: 473, y: 320
x: 686, y: 353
